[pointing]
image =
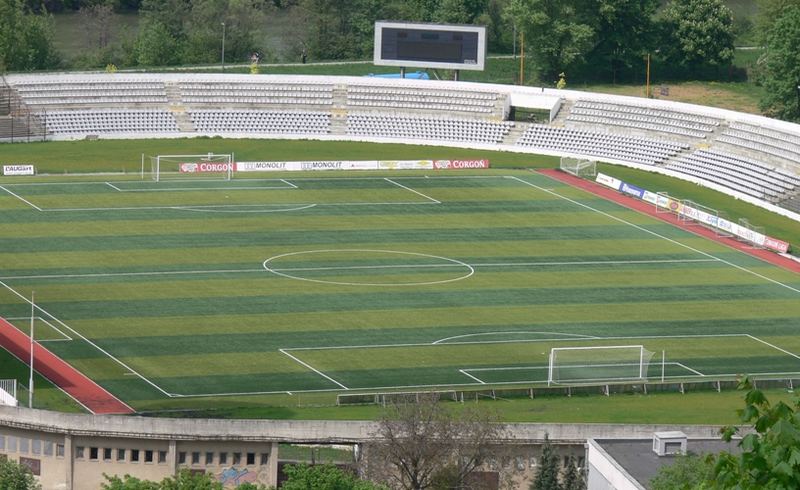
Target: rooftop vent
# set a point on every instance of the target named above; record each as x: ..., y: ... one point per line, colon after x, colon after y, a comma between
x: 667, y: 443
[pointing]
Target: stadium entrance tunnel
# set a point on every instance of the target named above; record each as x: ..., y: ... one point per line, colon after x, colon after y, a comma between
x: 362, y: 267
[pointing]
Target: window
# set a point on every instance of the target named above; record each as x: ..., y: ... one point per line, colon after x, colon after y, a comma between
x: 59, y: 450
x: 78, y: 452
x: 237, y: 458
x: 148, y: 456
x: 120, y: 454
x: 36, y: 446
x: 23, y: 444
x: 107, y: 454
x: 162, y: 456
x: 134, y: 455
x: 2, y: 443
x: 264, y: 458
x: 251, y: 459
x: 93, y: 453
x: 223, y: 458
x: 48, y: 448
x: 209, y: 458
x: 195, y: 457
x: 182, y: 457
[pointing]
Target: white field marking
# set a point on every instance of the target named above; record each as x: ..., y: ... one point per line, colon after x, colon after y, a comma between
x: 774, y: 346
x: 78, y: 334
x: 114, y: 187
x: 441, y: 341
x: 598, y: 262
x: 214, y: 206
x: 34, y: 206
x: 226, y: 189
x: 44, y: 320
x: 470, y: 269
x: 132, y: 274
x: 684, y: 366
x: 309, y: 366
x: 465, y: 373
x: 387, y: 179
x: 288, y: 183
x: 526, y: 341
x: 706, y: 254
x: 278, y: 210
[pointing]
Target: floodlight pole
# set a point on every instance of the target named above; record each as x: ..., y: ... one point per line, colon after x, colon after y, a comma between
x: 30, y: 379
x: 647, y: 83
x: 223, y: 47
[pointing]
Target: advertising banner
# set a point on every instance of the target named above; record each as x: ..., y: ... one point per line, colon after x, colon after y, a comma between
x: 776, y: 245
x: 650, y: 197
x: 459, y: 164
x: 608, y: 181
x: 405, y: 165
x: 632, y: 190
x: 18, y: 169
x: 204, y: 167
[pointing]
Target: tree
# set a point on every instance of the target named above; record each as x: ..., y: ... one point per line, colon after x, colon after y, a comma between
x: 547, y: 476
x: 781, y: 67
x: 572, y: 479
x: 770, y: 457
x: 127, y: 482
x: 14, y: 476
x: 26, y: 39
x: 770, y: 11
x: 422, y: 441
x: 688, y: 471
x: 698, y: 33
x: 185, y: 480
x: 556, y: 34
x: 156, y: 46
x: 323, y: 477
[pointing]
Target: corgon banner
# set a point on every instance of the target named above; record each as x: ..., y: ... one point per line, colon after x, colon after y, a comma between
x: 18, y: 169
x: 608, y: 181
x: 459, y: 164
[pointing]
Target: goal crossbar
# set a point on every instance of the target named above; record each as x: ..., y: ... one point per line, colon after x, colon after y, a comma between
x: 571, y: 365
x: 208, y: 165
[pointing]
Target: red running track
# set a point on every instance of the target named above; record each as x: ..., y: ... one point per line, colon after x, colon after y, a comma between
x: 93, y: 396
x: 649, y: 209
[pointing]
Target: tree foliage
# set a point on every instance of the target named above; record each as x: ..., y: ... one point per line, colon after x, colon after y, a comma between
x: 687, y: 472
x: 422, y: 442
x: 781, y: 67
x: 185, y: 480
x: 14, y: 476
x: 547, y: 475
x: 770, y: 457
x: 26, y: 39
x: 624, y: 33
x: 698, y: 33
x: 324, y: 477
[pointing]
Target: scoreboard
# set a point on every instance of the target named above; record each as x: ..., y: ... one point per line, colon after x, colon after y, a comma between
x: 454, y: 47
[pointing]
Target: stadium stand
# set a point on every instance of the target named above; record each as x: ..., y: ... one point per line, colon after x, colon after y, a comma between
x: 96, y: 121
x: 215, y: 92
x: 637, y: 150
x: 91, y: 92
x: 480, y: 103
x: 444, y: 129
x: 659, y: 120
x: 255, y: 121
x: 763, y: 140
x: 738, y: 173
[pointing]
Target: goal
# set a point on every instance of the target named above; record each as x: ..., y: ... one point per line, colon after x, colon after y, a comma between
x: 607, y: 364
x: 585, y: 169
x: 210, y: 166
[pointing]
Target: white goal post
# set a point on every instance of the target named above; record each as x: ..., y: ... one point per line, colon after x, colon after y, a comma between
x: 586, y: 169
x: 217, y: 166
x: 606, y: 363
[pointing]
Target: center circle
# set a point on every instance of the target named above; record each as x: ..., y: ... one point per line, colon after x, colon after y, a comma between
x: 365, y: 262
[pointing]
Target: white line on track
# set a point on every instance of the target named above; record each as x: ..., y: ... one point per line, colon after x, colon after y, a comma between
x: 78, y: 334
x: 387, y: 179
x: 465, y: 373
x: 688, y: 247
x: 34, y: 206
x: 309, y: 366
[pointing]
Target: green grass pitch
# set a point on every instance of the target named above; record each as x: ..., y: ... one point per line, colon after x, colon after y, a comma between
x: 188, y: 292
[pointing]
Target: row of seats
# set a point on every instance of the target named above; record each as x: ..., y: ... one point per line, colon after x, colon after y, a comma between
x: 281, y: 122
x: 596, y: 117
x: 744, y: 175
x: 109, y: 121
x: 277, y: 87
x: 764, y: 140
x: 648, y: 112
x: 390, y: 91
x: 447, y: 129
x: 433, y: 100
x: 637, y: 150
x: 254, y: 99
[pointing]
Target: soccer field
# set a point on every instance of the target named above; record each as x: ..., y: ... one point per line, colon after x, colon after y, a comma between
x: 195, y: 289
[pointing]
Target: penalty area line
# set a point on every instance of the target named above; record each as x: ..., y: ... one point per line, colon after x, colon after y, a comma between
x: 34, y: 206
x: 465, y: 373
x: 309, y: 366
x: 773, y: 346
x: 436, y: 201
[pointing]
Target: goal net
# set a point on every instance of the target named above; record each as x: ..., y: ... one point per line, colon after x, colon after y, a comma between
x: 613, y: 363
x: 585, y: 169
x: 210, y: 166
